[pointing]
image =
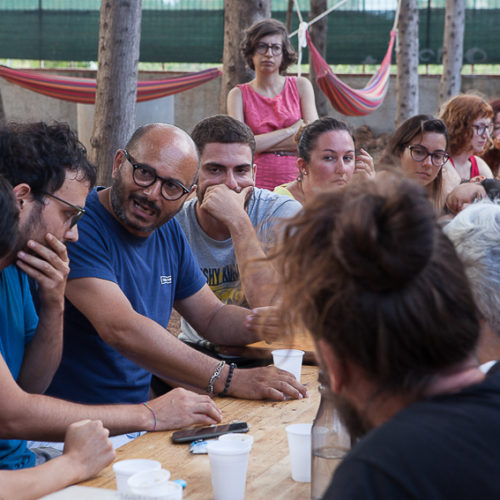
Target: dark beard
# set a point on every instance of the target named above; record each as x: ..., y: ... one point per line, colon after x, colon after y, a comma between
x: 350, y: 417
x: 118, y: 198
x: 29, y: 229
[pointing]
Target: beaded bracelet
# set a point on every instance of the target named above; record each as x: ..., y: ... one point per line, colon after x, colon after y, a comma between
x: 232, y: 366
x: 214, y: 377
x: 154, y: 414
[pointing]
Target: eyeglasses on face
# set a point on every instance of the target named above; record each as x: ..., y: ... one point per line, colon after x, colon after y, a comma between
x: 262, y: 48
x: 79, y: 211
x: 420, y: 153
x: 145, y: 176
x: 482, y: 128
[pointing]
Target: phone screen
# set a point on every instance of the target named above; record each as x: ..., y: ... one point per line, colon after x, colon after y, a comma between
x: 213, y: 431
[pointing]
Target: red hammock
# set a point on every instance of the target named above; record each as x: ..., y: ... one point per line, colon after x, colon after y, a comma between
x: 345, y: 99
x: 82, y: 90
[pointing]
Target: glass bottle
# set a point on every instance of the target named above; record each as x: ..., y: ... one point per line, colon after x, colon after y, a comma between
x: 329, y: 441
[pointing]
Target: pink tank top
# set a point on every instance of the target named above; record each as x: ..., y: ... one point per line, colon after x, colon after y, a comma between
x: 266, y: 114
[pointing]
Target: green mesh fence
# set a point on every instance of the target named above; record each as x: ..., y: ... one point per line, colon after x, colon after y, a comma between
x: 192, y: 30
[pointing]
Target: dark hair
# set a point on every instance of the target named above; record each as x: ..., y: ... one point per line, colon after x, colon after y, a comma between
x: 39, y: 155
x: 404, y: 135
x: 259, y: 30
x: 9, y: 217
x: 408, y: 130
x: 492, y: 156
x: 384, y: 286
x: 458, y: 113
x: 492, y: 188
x: 310, y: 133
x: 224, y: 129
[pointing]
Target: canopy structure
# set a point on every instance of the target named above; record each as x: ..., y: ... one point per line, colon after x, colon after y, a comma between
x: 345, y: 99
x: 82, y: 90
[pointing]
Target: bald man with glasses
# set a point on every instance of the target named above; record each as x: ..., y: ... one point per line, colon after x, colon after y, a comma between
x: 130, y: 267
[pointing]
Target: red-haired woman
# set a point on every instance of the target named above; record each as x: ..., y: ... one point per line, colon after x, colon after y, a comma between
x: 468, y: 120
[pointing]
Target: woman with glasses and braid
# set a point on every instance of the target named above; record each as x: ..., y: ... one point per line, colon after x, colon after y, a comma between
x: 468, y: 119
x: 419, y: 146
x: 274, y: 106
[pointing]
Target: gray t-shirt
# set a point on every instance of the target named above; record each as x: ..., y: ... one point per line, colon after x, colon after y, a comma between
x: 217, y: 259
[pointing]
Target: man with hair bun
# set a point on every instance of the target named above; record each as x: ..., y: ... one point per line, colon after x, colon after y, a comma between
x: 396, y: 330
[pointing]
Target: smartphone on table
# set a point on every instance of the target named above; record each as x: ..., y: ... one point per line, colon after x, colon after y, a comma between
x: 189, y: 435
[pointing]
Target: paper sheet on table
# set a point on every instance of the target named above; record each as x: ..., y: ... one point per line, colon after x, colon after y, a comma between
x: 83, y: 493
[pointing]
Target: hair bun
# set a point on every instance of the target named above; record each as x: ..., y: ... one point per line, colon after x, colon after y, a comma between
x: 385, y: 234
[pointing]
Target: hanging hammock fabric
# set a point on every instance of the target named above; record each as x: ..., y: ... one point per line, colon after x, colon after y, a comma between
x: 345, y: 99
x: 82, y: 90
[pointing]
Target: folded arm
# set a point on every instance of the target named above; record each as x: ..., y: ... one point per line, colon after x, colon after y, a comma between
x: 278, y: 140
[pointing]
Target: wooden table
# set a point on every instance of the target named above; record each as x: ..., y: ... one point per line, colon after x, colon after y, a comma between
x: 268, y: 474
x: 262, y: 350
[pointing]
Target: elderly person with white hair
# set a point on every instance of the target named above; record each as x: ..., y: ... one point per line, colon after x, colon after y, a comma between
x: 475, y: 233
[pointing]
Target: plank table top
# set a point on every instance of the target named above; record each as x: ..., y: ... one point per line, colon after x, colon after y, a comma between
x: 262, y: 350
x: 268, y: 473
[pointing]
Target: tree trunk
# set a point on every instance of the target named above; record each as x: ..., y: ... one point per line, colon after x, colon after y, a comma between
x: 407, y: 62
x: 118, y: 56
x: 453, y: 49
x: 289, y: 15
x: 318, y: 32
x: 2, y: 112
x: 238, y: 15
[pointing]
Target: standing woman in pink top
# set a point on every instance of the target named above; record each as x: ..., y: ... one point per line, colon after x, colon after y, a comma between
x: 274, y: 106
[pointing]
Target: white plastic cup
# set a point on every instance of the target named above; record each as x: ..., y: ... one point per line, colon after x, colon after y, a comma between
x: 154, y: 484
x: 238, y: 436
x: 299, y: 444
x: 126, y: 468
x: 289, y: 360
x: 228, y: 467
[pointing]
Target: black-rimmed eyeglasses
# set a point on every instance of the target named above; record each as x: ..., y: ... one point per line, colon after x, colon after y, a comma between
x: 79, y: 211
x: 262, y: 48
x: 419, y: 153
x: 145, y: 176
x: 481, y: 129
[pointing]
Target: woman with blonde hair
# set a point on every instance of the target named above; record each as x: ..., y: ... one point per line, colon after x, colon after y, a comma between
x: 273, y: 105
x: 468, y: 120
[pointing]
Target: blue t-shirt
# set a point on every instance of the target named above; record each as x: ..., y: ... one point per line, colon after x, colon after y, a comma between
x: 17, y: 327
x: 151, y: 271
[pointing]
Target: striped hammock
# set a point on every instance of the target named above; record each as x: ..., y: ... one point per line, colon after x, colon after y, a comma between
x: 345, y: 99
x: 82, y: 90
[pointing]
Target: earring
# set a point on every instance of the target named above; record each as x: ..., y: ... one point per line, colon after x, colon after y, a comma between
x: 304, y: 172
